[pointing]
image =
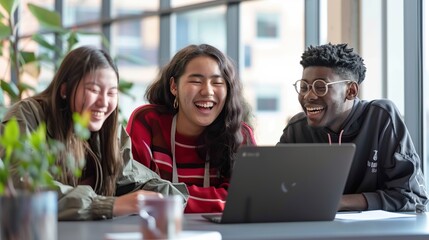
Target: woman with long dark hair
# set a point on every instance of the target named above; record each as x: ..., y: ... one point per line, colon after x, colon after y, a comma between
x: 87, y: 81
x: 194, y: 124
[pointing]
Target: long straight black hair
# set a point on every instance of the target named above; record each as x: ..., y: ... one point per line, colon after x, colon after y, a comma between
x: 102, y: 149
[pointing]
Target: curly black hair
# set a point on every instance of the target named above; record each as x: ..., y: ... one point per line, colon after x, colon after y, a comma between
x: 339, y: 57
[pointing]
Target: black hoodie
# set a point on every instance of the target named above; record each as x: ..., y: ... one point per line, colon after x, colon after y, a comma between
x: 386, y: 168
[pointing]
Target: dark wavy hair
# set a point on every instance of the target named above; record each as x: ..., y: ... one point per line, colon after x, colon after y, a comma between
x: 339, y: 57
x: 76, y: 65
x: 223, y: 137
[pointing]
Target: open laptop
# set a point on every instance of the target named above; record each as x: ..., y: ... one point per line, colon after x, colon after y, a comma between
x: 288, y: 182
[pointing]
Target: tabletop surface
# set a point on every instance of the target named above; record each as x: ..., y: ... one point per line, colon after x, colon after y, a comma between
x: 398, y: 228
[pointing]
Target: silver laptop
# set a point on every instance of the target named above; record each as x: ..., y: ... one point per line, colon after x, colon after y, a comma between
x: 289, y: 182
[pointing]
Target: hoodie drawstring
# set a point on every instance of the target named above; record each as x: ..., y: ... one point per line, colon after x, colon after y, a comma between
x: 339, y: 139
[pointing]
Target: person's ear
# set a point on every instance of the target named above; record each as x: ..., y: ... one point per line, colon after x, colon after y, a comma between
x: 352, y: 90
x: 173, y: 86
x: 63, y: 91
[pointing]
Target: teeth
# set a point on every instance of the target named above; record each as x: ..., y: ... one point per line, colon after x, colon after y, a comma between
x: 98, y: 114
x: 314, y: 109
x: 205, y: 105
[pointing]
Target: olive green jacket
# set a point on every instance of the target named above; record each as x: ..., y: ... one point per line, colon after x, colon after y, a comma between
x: 81, y: 202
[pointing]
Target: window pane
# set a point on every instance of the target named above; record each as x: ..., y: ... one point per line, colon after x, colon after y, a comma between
x: 29, y: 24
x: 272, y: 36
x: 371, y: 49
x: 180, y: 3
x: 425, y: 27
x: 27, y: 27
x: 123, y: 7
x: 136, y: 53
x: 267, y: 25
x: 267, y: 104
x: 395, y: 52
x: 79, y: 12
x: 201, y: 26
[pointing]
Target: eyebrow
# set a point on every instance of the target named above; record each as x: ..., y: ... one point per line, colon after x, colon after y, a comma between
x: 202, y: 76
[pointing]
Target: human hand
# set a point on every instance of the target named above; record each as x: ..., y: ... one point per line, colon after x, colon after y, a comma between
x: 353, y: 202
x: 128, y: 204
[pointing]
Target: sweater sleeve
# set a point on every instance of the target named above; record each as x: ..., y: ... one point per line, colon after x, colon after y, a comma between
x: 400, y: 184
x: 82, y: 203
x: 137, y: 176
x: 204, y: 200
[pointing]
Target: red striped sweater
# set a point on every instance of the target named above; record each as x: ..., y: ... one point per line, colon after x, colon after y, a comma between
x: 150, y: 135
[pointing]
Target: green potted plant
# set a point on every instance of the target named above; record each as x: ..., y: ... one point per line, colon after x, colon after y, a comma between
x: 28, y: 200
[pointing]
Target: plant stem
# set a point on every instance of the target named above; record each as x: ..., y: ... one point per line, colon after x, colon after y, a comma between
x: 10, y: 188
x: 14, y: 48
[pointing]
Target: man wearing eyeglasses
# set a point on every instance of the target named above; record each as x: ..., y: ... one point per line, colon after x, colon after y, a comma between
x: 386, y: 170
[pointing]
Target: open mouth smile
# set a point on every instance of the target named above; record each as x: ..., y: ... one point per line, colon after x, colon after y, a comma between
x: 314, y: 110
x: 205, y: 105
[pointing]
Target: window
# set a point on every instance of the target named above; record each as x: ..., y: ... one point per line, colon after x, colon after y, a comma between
x: 267, y: 25
x: 271, y: 67
x: 130, y: 28
x: 247, y: 56
x: 267, y: 104
x: 78, y: 12
x: 425, y: 27
x: 201, y: 26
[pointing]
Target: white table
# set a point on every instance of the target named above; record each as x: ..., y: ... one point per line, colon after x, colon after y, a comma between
x: 398, y: 228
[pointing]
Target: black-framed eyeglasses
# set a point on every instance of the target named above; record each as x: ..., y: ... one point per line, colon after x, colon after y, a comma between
x: 319, y: 87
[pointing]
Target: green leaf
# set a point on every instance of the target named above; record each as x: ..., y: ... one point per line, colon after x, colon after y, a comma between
x: 81, y: 122
x: 10, y: 88
x: 125, y: 88
x: 38, y: 137
x: 125, y: 85
x: 44, y: 43
x: 27, y: 57
x: 72, y: 40
x: 9, y: 5
x: 5, y: 31
x: 47, y: 18
x: 24, y: 87
x: 11, y: 131
x: 45, y: 57
x: 29, y: 63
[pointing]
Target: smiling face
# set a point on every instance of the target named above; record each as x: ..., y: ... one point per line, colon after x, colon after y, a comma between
x: 96, y: 93
x: 332, y: 109
x: 201, y: 92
